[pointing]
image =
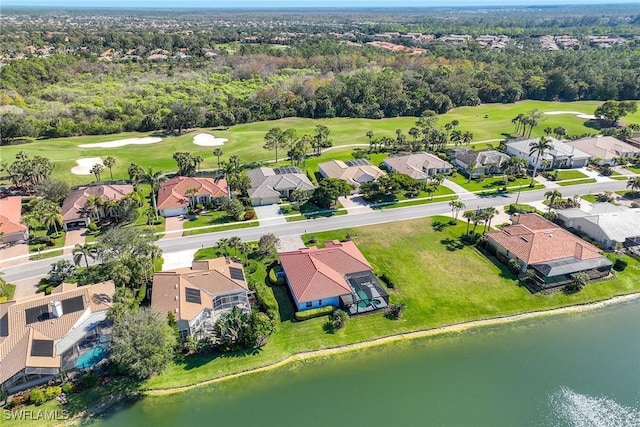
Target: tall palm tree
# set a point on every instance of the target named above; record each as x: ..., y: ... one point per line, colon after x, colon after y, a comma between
x: 92, y: 205
x: 218, y: 152
x: 513, y: 166
x: 456, y: 207
x: 273, y: 139
x: 234, y: 242
x: 110, y: 162
x: 84, y: 251
x: 190, y: 193
x: 227, y: 171
x: 488, y: 214
x: 155, y: 180
x: 467, y: 137
x: 634, y: 183
x: 197, y: 161
x: 51, y: 218
x: 97, y: 170
x: 552, y: 195
x: 539, y: 149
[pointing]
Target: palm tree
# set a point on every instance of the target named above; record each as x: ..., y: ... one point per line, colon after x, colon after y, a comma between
x: 190, y: 193
x: 456, y: 207
x: 30, y: 220
x: 470, y: 216
x: 51, y: 218
x: 226, y: 172
x: 92, y: 204
x: 110, y: 162
x: 245, y: 249
x: 552, y: 195
x: 471, y: 169
x: 218, y: 152
x: 548, y: 131
x: 155, y: 180
x: 467, y: 137
x: 197, y: 160
x: 273, y: 139
x: 97, y: 170
x: 222, y: 243
x: 539, y: 149
x: 85, y: 252
x: 234, y: 242
x: 488, y: 214
x: 634, y: 183
x: 455, y: 124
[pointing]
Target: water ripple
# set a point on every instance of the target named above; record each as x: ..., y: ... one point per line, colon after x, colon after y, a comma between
x: 578, y: 410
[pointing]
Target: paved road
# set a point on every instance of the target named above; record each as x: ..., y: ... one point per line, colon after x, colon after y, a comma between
x: 171, y: 245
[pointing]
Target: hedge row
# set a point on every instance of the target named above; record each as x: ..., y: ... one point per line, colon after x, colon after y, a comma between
x: 314, y: 312
x: 273, y: 276
x: 266, y: 300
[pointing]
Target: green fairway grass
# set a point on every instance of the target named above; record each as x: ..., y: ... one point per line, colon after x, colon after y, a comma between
x: 246, y: 140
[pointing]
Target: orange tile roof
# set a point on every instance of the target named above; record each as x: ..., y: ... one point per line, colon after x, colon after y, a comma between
x: 16, y: 335
x: 212, y: 277
x: 173, y: 193
x: 11, y: 214
x: 315, y: 273
x: 73, y: 206
x: 534, y: 239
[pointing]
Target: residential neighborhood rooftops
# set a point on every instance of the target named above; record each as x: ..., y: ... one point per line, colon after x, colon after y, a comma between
x: 266, y: 182
x: 315, y: 273
x: 173, y: 192
x: 32, y: 327
x: 617, y: 223
x: 534, y: 239
x: 186, y: 292
x: 605, y: 147
x: 417, y: 165
x: 74, y: 205
x: 10, y: 215
x: 353, y: 173
x: 560, y: 149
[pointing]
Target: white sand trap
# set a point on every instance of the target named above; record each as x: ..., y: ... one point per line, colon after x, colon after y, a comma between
x: 123, y: 142
x: 206, y: 140
x: 85, y: 165
x: 576, y: 113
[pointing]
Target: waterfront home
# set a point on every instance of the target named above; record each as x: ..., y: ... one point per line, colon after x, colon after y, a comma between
x: 553, y: 254
x: 177, y: 193
x: 337, y: 275
x: 11, y: 228
x: 418, y: 165
x: 608, y: 224
x: 269, y: 185
x: 477, y: 163
x: 198, y: 295
x: 355, y: 172
x: 561, y: 156
x: 74, y: 208
x: 44, y: 335
x: 605, y: 150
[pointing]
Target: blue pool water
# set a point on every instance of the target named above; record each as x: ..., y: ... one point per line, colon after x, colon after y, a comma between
x: 92, y: 356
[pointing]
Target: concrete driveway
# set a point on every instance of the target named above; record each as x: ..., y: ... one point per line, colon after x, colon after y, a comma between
x: 292, y: 242
x: 74, y: 237
x: 355, y: 204
x: 173, y: 226
x: 270, y: 215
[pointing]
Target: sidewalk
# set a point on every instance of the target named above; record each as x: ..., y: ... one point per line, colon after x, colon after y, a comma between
x: 460, y: 191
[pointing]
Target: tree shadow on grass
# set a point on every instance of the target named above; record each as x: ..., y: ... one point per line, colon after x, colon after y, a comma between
x: 452, y: 244
x: 440, y: 225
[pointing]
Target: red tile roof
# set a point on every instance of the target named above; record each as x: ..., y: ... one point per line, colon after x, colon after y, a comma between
x: 173, y: 193
x: 11, y: 214
x: 315, y: 273
x: 534, y: 239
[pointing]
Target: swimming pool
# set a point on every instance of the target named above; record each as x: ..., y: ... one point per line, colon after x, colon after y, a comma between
x: 92, y: 356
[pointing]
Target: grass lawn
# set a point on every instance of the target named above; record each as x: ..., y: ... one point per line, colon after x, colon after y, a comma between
x: 492, y: 183
x: 213, y: 218
x: 440, y: 281
x: 565, y: 174
x: 246, y: 140
x: 310, y: 210
x: 629, y: 194
x: 591, y: 198
x: 7, y: 292
x: 576, y: 182
x: 415, y: 202
x: 35, y: 233
x: 632, y: 169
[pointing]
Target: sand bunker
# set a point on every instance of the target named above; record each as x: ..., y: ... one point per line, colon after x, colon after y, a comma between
x: 206, y: 140
x: 123, y: 142
x: 576, y: 113
x: 85, y: 165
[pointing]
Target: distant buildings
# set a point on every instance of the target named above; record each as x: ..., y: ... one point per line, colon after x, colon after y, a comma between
x: 418, y: 165
x: 355, y: 172
x: 606, y: 149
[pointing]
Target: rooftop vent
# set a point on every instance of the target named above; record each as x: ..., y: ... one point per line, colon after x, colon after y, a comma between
x: 56, y: 308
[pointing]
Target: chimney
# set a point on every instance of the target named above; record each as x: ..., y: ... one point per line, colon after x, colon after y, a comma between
x: 515, y: 218
x: 56, y: 308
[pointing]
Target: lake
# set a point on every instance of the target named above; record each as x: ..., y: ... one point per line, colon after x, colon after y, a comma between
x: 565, y: 370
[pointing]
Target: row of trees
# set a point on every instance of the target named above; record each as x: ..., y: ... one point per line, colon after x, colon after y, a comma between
x: 297, y: 146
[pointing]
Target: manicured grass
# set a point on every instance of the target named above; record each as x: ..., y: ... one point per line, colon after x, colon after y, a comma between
x: 441, y: 282
x: 310, y: 210
x: 491, y: 183
x: 412, y: 202
x: 8, y: 291
x: 36, y: 232
x: 214, y: 228
x: 629, y: 194
x: 576, y: 182
x: 247, y: 140
x: 591, y: 198
x: 633, y: 169
x: 569, y: 174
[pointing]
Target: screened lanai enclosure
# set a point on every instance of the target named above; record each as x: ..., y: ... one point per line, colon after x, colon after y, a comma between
x: 367, y: 294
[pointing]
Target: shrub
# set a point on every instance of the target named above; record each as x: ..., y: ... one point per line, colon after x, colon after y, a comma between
x: 52, y: 392
x: 338, y: 320
x: 199, y: 206
x: 249, y: 215
x: 619, y: 265
x: 394, y: 311
x: 88, y: 380
x: 37, y: 397
x: 521, y: 209
x: 265, y: 298
x: 388, y: 280
x: 92, y: 227
x: 314, y: 312
x: 67, y: 387
x: 273, y: 276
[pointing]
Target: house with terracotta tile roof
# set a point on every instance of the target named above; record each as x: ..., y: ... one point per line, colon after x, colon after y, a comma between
x: 74, y: 208
x: 418, y: 165
x: 269, y: 185
x: 337, y: 275
x: 551, y: 252
x: 173, y: 199
x: 355, y: 172
x: 198, y: 295
x: 44, y: 335
x: 11, y: 228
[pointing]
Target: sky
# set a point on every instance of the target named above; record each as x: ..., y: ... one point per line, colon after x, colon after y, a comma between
x: 262, y: 4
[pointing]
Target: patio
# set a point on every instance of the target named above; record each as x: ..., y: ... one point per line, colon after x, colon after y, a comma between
x: 367, y: 294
